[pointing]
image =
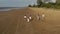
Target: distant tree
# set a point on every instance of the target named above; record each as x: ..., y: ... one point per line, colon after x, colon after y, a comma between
x: 52, y: 3
x: 29, y: 6
x: 58, y: 4
x: 39, y: 3
x: 48, y: 5
x: 34, y: 5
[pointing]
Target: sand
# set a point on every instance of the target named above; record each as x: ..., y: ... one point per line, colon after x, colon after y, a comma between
x: 13, y: 22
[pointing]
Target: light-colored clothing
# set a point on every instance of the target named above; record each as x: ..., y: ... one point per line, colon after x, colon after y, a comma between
x: 38, y: 17
x: 28, y: 20
x: 25, y: 17
x: 43, y: 15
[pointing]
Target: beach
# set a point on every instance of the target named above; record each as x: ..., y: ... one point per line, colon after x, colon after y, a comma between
x: 12, y: 21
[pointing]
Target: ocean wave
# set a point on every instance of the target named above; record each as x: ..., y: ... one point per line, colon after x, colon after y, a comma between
x: 7, y: 8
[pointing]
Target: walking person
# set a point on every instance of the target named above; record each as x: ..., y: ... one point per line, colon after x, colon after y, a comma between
x: 30, y: 17
x: 28, y: 20
x: 43, y: 16
x: 38, y: 17
x: 25, y: 16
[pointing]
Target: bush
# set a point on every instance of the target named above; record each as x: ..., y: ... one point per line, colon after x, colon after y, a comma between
x: 34, y: 5
x: 48, y: 5
x: 29, y: 6
x: 39, y: 3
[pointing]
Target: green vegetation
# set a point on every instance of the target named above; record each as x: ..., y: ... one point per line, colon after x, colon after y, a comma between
x: 29, y: 5
x: 39, y: 3
x: 46, y: 5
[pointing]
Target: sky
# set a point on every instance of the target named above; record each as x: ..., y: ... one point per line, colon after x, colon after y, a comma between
x: 16, y: 3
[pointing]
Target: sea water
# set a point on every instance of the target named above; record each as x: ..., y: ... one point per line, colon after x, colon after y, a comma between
x: 9, y: 8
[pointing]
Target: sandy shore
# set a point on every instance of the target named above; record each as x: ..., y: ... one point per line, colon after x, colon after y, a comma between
x: 12, y: 22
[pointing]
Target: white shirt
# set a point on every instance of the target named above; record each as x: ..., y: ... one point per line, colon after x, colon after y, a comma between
x: 28, y: 20
x: 43, y: 15
x: 25, y: 17
x: 30, y: 17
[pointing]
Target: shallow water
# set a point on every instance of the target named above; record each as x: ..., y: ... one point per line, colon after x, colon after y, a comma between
x: 9, y: 8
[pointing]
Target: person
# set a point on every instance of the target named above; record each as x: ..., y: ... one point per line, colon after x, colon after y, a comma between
x: 28, y: 20
x: 38, y: 17
x: 25, y: 17
x: 30, y: 17
x: 43, y: 16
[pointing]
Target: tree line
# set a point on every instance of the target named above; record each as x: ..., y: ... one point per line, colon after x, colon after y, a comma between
x: 47, y: 5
